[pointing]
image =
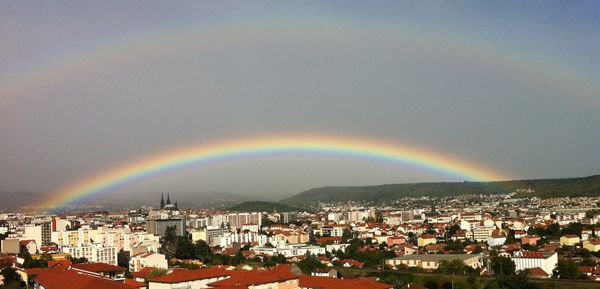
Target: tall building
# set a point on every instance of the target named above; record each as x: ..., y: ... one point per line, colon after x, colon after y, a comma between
x: 159, y: 227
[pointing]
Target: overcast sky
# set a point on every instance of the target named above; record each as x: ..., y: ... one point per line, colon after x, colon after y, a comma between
x: 89, y: 85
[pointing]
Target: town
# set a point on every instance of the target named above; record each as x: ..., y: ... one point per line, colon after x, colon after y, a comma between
x: 466, y: 241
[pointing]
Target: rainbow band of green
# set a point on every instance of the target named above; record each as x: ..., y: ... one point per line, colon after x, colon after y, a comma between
x: 202, y: 154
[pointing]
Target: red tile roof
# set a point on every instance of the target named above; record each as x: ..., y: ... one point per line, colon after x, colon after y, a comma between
x: 70, y: 279
x: 191, y: 275
x: 134, y: 284
x: 98, y: 267
x: 247, y: 278
x: 143, y: 273
x: 538, y: 272
x: 52, y: 263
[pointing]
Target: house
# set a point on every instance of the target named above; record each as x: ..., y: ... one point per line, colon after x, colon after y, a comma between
x: 425, y: 240
x: 569, y: 240
x: 351, y: 263
x: 392, y: 241
x: 325, y: 272
x: 432, y: 261
x: 30, y: 246
x: 592, y: 245
x: 496, y: 240
x: 143, y: 260
x: 101, y: 269
x: 530, y: 240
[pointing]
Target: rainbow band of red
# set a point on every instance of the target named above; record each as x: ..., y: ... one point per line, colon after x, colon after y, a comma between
x: 206, y: 153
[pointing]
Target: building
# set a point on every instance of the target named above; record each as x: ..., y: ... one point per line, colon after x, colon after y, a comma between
x: 569, y: 240
x: 93, y: 253
x: 547, y: 261
x: 426, y: 239
x: 432, y: 261
x: 530, y: 240
x: 288, y: 217
x: 237, y: 220
x: 158, y: 227
x: 332, y: 231
x: 70, y: 238
x: 592, y: 245
x: 199, y: 234
x: 30, y: 246
x: 10, y: 246
x: 144, y: 260
x: 289, y: 250
x: 496, y: 240
x: 481, y: 233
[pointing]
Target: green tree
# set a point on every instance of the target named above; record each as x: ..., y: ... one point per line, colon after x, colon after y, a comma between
x: 11, y: 278
x: 185, y: 249
x: 156, y: 273
x: 309, y: 263
x: 503, y: 266
x: 569, y: 270
x: 169, y: 240
x: 347, y: 235
x: 123, y: 258
x: 454, y: 267
x: 202, y: 250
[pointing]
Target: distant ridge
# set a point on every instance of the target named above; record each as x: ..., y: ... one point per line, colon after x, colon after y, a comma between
x: 259, y: 206
x: 543, y: 188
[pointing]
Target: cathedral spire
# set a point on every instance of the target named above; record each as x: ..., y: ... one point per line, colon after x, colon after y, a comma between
x: 162, y: 200
x: 168, y: 198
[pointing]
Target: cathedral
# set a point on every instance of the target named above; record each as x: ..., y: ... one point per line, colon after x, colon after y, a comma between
x: 168, y: 205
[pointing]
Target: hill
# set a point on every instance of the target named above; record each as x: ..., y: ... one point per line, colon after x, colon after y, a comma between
x: 259, y: 206
x: 544, y: 188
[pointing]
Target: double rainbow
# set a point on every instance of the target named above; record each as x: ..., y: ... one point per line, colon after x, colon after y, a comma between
x: 261, y: 146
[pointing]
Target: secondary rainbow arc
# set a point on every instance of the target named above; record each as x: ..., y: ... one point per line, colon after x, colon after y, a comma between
x: 260, y: 146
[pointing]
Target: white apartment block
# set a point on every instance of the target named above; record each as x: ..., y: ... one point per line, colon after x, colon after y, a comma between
x: 481, y: 233
x: 289, y: 250
x: 93, y: 252
x: 70, y: 238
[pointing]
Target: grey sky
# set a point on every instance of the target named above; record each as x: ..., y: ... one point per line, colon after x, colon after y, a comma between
x: 521, y: 98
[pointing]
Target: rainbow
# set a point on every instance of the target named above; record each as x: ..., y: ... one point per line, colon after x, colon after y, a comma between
x: 261, y: 146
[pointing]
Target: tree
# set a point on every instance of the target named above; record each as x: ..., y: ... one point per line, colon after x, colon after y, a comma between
x: 347, y: 235
x: 309, y: 263
x: 185, y: 249
x: 169, y: 239
x: 78, y: 260
x: 123, y: 258
x: 10, y: 277
x: 452, y: 230
x: 568, y: 270
x: 202, y: 249
x: 280, y: 259
x: 156, y: 273
x: 453, y: 266
x: 503, y: 266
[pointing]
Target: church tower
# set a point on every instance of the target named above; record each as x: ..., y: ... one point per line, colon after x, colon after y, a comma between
x: 162, y: 201
x: 168, y: 198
